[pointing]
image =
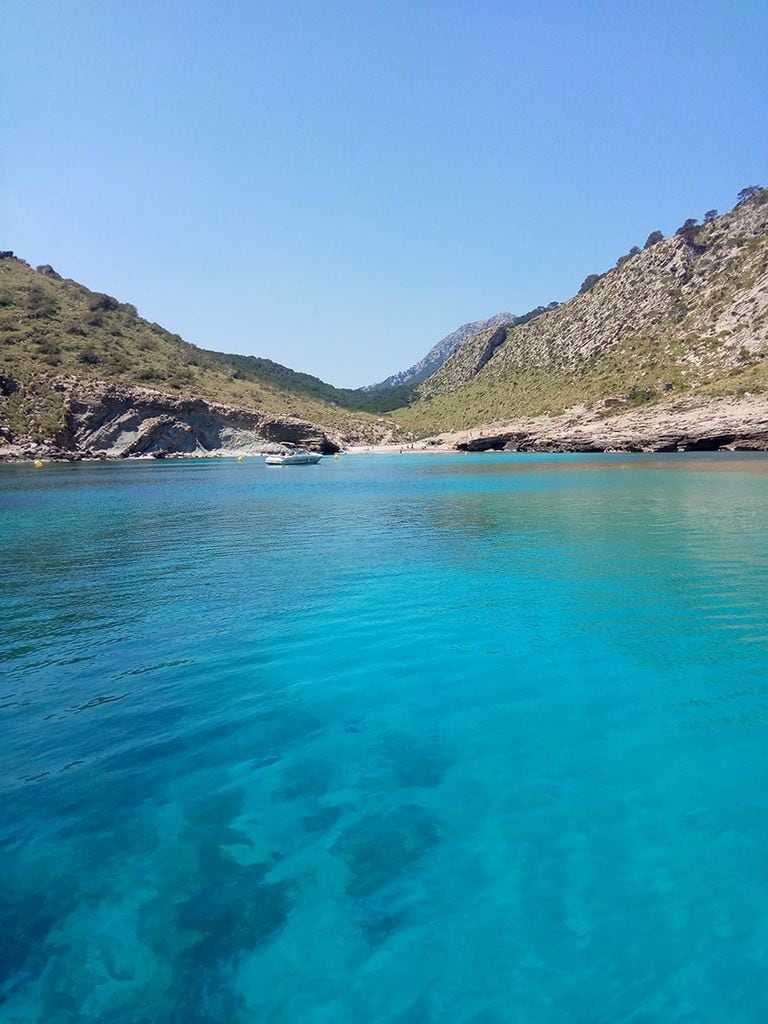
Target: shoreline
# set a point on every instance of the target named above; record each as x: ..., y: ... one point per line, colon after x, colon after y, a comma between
x: 695, y: 423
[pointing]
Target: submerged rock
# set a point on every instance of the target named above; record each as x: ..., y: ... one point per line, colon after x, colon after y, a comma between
x: 236, y: 915
x: 321, y: 820
x: 27, y: 917
x: 380, y: 914
x: 380, y: 848
x: 416, y: 761
x: 306, y: 777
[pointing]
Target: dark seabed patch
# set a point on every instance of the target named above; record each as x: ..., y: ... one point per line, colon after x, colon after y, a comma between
x: 32, y: 906
x: 239, y: 911
x: 321, y: 820
x: 303, y: 778
x: 418, y: 761
x: 381, y: 848
x: 381, y: 913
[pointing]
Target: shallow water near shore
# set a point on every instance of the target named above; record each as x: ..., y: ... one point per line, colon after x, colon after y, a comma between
x: 456, y: 739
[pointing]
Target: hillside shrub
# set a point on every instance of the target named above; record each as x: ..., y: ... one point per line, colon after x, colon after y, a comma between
x: 589, y: 283
x: 41, y: 303
x: 748, y: 193
x: 100, y: 301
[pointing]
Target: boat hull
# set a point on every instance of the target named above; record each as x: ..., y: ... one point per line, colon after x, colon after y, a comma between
x: 293, y: 460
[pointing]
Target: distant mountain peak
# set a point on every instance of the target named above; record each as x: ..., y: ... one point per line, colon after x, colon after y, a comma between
x: 439, y: 353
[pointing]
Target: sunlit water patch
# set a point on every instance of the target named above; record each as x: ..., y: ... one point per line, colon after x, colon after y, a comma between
x: 469, y: 740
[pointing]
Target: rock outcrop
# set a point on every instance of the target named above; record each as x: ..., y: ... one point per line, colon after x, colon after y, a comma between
x: 104, y: 420
x: 691, y: 424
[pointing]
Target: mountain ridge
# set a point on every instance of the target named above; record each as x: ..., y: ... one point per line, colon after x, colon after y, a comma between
x: 28, y: 302
x: 687, y: 313
x: 438, y: 354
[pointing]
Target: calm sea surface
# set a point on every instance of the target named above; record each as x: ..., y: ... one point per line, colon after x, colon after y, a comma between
x: 414, y: 739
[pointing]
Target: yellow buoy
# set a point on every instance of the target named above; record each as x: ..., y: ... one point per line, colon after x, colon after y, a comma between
x: 336, y: 456
x: 240, y: 458
x: 38, y: 464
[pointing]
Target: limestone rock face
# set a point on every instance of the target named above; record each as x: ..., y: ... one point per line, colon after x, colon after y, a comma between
x: 468, y: 360
x: 690, y: 424
x: 116, y: 420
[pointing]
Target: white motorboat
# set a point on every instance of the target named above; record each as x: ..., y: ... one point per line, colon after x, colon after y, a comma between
x: 296, y: 457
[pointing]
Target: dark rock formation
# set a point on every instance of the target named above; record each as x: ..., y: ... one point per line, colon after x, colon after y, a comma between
x: 47, y: 271
x: 487, y: 443
x: 8, y: 385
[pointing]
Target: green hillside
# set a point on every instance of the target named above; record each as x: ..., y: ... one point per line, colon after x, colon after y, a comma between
x: 267, y: 371
x: 50, y: 326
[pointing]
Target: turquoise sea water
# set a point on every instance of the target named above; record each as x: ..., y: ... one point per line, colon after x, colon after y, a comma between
x: 468, y: 740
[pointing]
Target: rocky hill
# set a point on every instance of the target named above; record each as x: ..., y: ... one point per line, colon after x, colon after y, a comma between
x: 439, y: 353
x: 64, y: 348
x: 678, y: 325
x: 687, y: 315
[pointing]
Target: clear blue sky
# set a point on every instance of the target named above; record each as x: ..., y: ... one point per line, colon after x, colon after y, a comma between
x: 336, y: 185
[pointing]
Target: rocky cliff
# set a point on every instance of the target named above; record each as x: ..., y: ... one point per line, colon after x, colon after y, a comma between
x: 99, y: 420
x: 686, y: 425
